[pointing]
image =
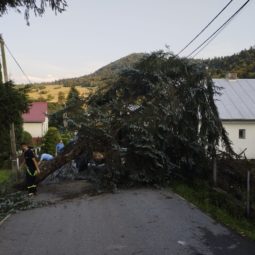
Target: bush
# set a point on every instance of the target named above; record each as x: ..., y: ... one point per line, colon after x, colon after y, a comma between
x: 50, y: 140
x: 26, y: 138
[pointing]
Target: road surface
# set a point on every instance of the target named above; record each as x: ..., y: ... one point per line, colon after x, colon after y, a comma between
x: 132, y: 222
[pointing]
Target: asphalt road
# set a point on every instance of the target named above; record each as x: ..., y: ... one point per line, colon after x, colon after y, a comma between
x: 133, y: 222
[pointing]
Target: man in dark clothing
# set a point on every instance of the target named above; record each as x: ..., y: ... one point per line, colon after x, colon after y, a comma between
x: 32, y: 169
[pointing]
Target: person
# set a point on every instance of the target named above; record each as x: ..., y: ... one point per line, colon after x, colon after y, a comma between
x: 32, y: 169
x: 45, y: 157
x: 59, y: 147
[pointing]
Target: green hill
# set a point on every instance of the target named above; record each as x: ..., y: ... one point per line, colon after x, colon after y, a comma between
x: 242, y: 63
x: 104, y: 75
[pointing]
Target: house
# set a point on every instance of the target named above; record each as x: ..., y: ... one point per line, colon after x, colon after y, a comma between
x: 35, y: 121
x: 236, y: 106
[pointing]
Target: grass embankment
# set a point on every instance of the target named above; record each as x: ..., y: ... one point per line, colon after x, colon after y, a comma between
x: 6, y: 180
x: 220, y: 206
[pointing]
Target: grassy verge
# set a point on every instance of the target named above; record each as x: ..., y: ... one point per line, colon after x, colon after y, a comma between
x: 6, y: 180
x: 219, y: 206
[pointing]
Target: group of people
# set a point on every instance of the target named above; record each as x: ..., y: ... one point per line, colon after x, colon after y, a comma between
x: 32, y: 166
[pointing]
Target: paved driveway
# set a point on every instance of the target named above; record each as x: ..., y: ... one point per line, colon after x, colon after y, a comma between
x: 133, y: 222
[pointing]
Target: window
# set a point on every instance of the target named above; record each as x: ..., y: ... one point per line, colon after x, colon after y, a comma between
x: 242, y: 133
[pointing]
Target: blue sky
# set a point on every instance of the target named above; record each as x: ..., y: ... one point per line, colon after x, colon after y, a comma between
x: 93, y: 33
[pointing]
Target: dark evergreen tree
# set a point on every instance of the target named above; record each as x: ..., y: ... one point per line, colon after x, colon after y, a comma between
x: 13, y: 102
x: 51, y: 138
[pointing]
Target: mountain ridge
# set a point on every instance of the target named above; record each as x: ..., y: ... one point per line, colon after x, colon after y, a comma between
x: 241, y: 63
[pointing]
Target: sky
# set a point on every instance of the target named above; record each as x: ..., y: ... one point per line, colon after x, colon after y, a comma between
x: 93, y: 33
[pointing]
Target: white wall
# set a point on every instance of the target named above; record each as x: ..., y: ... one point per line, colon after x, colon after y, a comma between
x: 232, y: 127
x: 36, y: 129
x: 45, y: 126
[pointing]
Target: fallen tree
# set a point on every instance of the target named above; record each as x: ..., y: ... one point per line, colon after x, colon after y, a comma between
x: 161, y: 113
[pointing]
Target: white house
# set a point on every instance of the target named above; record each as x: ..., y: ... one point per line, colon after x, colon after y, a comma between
x: 35, y: 121
x: 236, y: 106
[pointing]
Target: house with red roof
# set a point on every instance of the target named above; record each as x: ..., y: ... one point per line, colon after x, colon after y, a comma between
x: 35, y: 121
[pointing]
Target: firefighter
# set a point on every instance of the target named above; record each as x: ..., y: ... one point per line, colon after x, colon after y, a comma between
x: 32, y: 169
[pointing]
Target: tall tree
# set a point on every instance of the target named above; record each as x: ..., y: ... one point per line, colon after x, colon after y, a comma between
x: 13, y: 102
x: 162, y: 113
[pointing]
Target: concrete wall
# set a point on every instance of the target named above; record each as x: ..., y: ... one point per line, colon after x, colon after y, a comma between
x: 232, y: 127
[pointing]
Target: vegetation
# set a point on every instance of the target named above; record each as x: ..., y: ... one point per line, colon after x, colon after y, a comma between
x: 53, y: 93
x: 51, y: 138
x: 218, y: 205
x: 72, y: 111
x: 26, y: 138
x: 105, y: 76
x: 152, y: 111
x: 6, y: 180
x: 13, y: 102
x: 38, y: 7
x: 242, y: 64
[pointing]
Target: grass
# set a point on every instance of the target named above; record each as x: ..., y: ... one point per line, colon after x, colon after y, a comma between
x: 4, y: 175
x: 53, y: 91
x: 6, y: 180
x: 219, y: 206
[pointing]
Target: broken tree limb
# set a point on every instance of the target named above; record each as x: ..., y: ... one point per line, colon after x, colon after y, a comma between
x: 90, y: 139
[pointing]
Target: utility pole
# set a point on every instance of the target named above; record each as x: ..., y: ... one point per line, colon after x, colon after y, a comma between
x: 15, y: 163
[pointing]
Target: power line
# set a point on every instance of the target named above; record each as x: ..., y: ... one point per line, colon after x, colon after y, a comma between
x: 210, y: 40
x: 185, y: 47
x: 17, y: 63
x: 220, y: 28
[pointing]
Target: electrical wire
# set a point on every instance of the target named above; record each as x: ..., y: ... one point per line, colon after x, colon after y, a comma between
x: 220, y: 28
x: 15, y: 60
x: 193, y: 56
x: 185, y: 47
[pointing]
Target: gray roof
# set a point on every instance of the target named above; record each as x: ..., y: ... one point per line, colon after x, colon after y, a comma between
x: 237, y: 99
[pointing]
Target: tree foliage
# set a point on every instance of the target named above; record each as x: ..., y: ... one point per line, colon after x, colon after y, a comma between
x: 164, y: 113
x: 73, y: 110
x: 38, y: 7
x: 157, y: 120
x: 26, y: 138
x: 51, y: 138
x: 241, y: 63
x: 13, y: 102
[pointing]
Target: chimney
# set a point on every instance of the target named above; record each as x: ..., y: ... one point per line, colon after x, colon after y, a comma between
x: 231, y: 76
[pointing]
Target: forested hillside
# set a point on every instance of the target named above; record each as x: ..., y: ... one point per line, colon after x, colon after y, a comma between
x: 104, y: 75
x: 242, y: 63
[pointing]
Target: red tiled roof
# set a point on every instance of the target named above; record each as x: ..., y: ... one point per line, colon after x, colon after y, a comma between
x: 37, y: 112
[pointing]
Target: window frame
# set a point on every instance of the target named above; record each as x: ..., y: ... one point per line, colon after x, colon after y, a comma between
x: 242, y: 133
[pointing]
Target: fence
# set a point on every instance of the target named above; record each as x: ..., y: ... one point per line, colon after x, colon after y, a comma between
x: 237, y: 178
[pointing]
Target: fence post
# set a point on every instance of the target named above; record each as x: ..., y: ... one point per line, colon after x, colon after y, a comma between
x: 248, y: 197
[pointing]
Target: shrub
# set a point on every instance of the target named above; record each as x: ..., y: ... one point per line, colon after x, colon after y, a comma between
x: 26, y: 138
x: 50, y: 140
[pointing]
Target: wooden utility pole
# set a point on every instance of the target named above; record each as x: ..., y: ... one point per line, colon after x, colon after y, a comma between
x: 15, y: 163
x: 3, y: 59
